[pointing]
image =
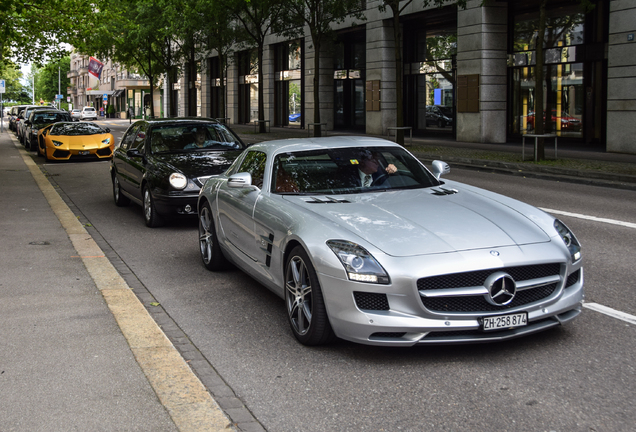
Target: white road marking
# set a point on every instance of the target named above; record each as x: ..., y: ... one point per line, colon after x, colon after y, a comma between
x: 611, y: 312
x: 592, y: 218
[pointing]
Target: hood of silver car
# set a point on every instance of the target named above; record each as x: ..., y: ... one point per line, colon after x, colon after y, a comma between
x: 417, y: 222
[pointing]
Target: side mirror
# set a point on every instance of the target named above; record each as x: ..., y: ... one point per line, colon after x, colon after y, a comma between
x: 440, y: 168
x: 107, y: 130
x: 241, y: 180
x: 133, y: 153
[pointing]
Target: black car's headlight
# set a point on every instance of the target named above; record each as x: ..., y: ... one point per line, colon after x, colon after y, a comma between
x: 178, y: 181
x: 569, y: 239
x: 358, y: 262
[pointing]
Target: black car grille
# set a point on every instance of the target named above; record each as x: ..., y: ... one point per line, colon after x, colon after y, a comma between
x: 478, y: 303
x: 371, y: 301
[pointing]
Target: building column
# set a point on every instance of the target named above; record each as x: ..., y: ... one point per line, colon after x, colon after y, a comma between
x: 380, y: 66
x: 482, y: 50
x: 325, y: 87
x: 621, y: 78
x: 231, y: 91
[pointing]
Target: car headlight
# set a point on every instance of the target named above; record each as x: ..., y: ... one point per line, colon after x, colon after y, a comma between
x: 57, y: 143
x: 568, y: 238
x: 106, y: 141
x: 178, y: 180
x: 358, y: 262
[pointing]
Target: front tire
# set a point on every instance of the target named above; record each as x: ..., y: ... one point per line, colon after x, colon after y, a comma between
x: 305, y: 304
x: 151, y: 216
x: 211, y: 253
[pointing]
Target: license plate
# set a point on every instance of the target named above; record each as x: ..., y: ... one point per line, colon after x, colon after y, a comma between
x: 504, y: 321
x: 84, y: 152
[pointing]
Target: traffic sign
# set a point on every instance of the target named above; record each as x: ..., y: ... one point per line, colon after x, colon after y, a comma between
x: 105, y: 97
x: 2, y: 86
x: 59, y: 96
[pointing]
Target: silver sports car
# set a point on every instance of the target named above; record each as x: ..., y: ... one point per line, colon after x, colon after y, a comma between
x: 365, y: 244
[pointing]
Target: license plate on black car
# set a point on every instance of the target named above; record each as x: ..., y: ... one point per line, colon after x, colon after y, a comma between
x: 504, y: 321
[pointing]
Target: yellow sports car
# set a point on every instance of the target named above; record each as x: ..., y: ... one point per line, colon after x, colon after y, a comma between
x: 66, y: 140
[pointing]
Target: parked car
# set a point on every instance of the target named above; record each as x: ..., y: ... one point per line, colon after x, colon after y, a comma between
x: 162, y: 164
x: 88, y: 113
x: 76, y: 114
x: 408, y: 260
x: 568, y: 123
x: 23, y: 116
x: 438, y: 115
x: 72, y: 140
x: 39, y: 119
x: 13, y: 116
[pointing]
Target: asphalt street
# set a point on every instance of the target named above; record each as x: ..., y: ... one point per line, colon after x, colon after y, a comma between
x: 234, y: 333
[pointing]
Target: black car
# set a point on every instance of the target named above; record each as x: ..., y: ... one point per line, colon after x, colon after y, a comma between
x: 438, y: 115
x: 24, y: 116
x: 40, y: 118
x: 162, y: 164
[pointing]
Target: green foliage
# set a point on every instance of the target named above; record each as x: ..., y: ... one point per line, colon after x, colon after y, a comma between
x: 32, y: 30
x: 51, y: 79
x: 14, y: 90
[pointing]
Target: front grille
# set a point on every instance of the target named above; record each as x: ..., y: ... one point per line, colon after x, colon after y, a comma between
x: 479, y: 303
x: 371, y: 301
x: 104, y: 151
x: 478, y: 278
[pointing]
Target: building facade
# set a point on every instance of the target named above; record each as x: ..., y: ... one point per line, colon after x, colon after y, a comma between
x: 116, y: 86
x: 468, y: 75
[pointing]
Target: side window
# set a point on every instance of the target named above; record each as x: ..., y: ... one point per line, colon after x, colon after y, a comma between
x: 254, y: 163
x: 128, y: 138
x: 140, y: 138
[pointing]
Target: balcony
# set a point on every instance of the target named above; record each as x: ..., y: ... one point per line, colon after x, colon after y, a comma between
x: 81, y: 91
x: 71, y: 91
x: 83, y: 70
x: 71, y: 74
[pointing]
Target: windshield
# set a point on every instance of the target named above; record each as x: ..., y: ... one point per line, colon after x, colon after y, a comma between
x: 350, y: 170
x: 73, y: 129
x: 48, y: 118
x: 178, y: 138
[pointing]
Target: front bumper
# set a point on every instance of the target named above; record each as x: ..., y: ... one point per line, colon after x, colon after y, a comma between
x: 404, y: 320
x: 176, y: 203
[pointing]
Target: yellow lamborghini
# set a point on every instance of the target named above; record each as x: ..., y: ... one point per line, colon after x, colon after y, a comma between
x: 71, y: 140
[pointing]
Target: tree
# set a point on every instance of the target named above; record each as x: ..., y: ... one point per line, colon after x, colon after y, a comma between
x: 51, y: 79
x: 32, y: 30
x: 126, y: 33
x: 14, y: 90
x: 319, y: 16
x: 396, y: 10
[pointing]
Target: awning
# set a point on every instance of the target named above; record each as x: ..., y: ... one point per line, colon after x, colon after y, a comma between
x: 117, y: 93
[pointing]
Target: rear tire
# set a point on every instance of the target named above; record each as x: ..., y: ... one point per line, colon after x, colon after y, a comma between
x: 120, y: 199
x: 305, y: 304
x: 211, y: 253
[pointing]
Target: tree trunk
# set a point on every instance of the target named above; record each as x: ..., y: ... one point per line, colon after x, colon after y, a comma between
x: 261, y: 92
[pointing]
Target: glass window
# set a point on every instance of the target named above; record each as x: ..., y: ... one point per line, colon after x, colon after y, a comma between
x: 562, y: 28
x: 254, y: 163
x: 129, y: 137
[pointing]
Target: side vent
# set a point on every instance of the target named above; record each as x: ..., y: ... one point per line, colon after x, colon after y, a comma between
x: 325, y: 200
x: 269, y: 241
x: 443, y: 191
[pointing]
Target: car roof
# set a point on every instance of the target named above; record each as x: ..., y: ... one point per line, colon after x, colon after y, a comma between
x: 324, y: 143
x: 181, y: 120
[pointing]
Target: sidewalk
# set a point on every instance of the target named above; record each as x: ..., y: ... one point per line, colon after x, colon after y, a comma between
x: 79, y: 351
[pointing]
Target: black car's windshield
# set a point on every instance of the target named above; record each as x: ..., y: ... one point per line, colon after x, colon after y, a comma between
x: 73, y: 129
x: 40, y: 119
x: 350, y: 170
x: 193, y: 137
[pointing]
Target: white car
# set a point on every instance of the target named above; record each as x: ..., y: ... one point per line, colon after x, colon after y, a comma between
x: 76, y: 114
x: 88, y: 113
